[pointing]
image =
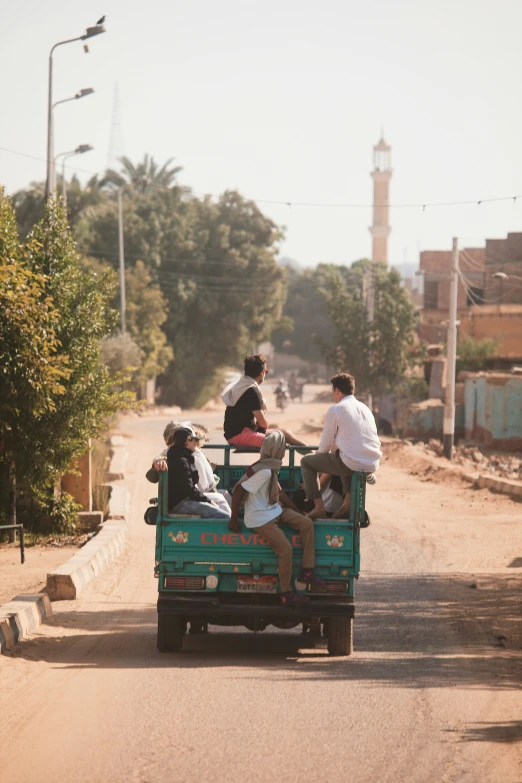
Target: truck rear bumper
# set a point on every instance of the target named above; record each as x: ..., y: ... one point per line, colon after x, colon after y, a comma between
x: 207, y: 606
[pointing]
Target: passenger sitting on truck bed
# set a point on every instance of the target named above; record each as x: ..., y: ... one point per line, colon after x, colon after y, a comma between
x: 264, y: 498
x: 184, y: 496
x: 245, y: 419
x: 349, y: 444
x: 207, y: 481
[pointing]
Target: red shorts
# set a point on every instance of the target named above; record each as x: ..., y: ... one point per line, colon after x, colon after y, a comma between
x: 249, y: 438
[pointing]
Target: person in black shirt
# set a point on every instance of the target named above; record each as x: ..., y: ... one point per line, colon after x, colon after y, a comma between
x: 184, y: 495
x: 245, y: 414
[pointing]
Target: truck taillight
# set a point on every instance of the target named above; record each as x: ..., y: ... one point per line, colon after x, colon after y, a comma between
x: 329, y: 587
x: 184, y: 583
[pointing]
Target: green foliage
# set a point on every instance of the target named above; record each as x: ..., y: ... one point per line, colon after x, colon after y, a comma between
x: 142, y: 176
x: 203, y: 283
x: 214, y: 263
x: 146, y: 313
x: 473, y: 355
x: 63, y: 512
x: 33, y: 365
x: 306, y: 323
x: 44, y: 435
x: 378, y: 354
x: 412, y: 389
x: 120, y: 353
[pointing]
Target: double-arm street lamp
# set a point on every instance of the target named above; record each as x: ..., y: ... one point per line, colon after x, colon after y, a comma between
x: 89, y: 33
x: 65, y: 155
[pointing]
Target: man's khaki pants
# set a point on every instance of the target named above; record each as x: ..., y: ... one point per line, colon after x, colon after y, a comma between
x: 282, y: 546
x: 313, y: 464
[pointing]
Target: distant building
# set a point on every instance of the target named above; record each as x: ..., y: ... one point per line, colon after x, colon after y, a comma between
x: 487, y: 307
x: 504, y: 255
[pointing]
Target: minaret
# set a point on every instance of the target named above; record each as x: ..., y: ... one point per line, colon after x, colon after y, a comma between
x: 381, y: 175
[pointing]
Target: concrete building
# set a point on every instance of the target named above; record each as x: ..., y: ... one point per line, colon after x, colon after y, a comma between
x: 381, y: 175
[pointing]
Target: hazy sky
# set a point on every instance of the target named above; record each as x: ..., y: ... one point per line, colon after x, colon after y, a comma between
x: 284, y: 99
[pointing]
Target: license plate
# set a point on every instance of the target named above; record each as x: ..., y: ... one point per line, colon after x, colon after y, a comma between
x: 263, y: 584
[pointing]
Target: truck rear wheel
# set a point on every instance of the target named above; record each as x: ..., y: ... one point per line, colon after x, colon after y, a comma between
x: 340, y: 636
x: 171, y: 629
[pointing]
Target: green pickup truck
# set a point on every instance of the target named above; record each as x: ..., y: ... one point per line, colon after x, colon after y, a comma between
x: 210, y: 575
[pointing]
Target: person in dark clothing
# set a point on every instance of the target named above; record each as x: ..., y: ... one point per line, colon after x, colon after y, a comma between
x: 184, y: 495
x: 245, y: 416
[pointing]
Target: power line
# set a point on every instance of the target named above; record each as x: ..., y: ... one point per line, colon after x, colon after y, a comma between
x: 316, y: 204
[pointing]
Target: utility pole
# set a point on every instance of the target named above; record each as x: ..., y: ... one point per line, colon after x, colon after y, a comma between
x: 369, y: 293
x: 122, y: 259
x: 451, y: 355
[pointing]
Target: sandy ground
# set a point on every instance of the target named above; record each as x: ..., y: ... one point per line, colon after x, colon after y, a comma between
x: 431, y: 694
x: 30, y: 577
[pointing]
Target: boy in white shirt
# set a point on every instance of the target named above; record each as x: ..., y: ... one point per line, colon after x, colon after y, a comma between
x: 264, y: 501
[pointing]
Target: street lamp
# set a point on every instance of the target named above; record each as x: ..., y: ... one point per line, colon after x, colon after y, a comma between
x: 123, y: 304
x: 78, y: 151
x: 89, y: 33
x: 81, y: 94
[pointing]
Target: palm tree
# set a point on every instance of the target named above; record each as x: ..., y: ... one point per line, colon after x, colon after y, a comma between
x: 141, y: 176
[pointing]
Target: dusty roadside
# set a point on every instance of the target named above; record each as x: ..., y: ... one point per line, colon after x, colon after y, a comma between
x: 16, y: 578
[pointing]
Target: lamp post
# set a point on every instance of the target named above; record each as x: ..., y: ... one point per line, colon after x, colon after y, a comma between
x: 89, y: 33
x: 451, y: 350
x: 451, y: 354
x: 65, y: 155
x: 122, y: 259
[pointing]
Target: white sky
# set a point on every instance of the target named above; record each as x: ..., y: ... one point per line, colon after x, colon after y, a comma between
x: 284, y: 99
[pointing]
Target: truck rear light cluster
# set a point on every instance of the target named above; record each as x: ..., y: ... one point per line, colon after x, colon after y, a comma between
x: 329, y: 587
x: 184, y: 583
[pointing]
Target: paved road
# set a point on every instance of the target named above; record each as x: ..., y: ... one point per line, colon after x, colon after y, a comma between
x: 429, y: 696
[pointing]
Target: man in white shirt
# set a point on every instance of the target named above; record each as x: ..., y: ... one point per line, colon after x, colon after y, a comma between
x: 264, y: 501
x: 349, y: 443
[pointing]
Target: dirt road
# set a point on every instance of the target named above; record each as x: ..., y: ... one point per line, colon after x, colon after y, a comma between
x: 431, y: 694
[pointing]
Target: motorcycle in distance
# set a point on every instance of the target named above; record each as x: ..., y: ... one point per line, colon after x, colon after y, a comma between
x: 282, y: 395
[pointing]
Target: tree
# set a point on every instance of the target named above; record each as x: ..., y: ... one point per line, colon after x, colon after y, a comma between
x: 146, y: 313
x: 215, y: 266
x: 34, y: 369
x: 142, y: 176
x: 47, y: 443
x: 144, y: 347
x: 29, y: 203
x: 378, y: 355
x: 225, y: 293
x: 473, y: 354
x: 306, y: 325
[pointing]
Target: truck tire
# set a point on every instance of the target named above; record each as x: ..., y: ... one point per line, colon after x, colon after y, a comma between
x: 340, y: 636
x: 171, y: 629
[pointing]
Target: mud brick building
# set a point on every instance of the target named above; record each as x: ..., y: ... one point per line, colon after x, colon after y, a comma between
x: 504, y: 255
x: 487, y: 307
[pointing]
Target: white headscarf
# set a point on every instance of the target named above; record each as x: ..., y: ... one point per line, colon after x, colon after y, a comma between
x: 271, y: 456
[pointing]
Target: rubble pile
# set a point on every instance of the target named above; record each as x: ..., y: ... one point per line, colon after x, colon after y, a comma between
x: 499, y: 464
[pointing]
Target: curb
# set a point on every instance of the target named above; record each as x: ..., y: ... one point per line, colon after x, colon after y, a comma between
x: 68, y: 580
x: 26, y: 612
x: 504, y: 486
x: 21, y: 616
